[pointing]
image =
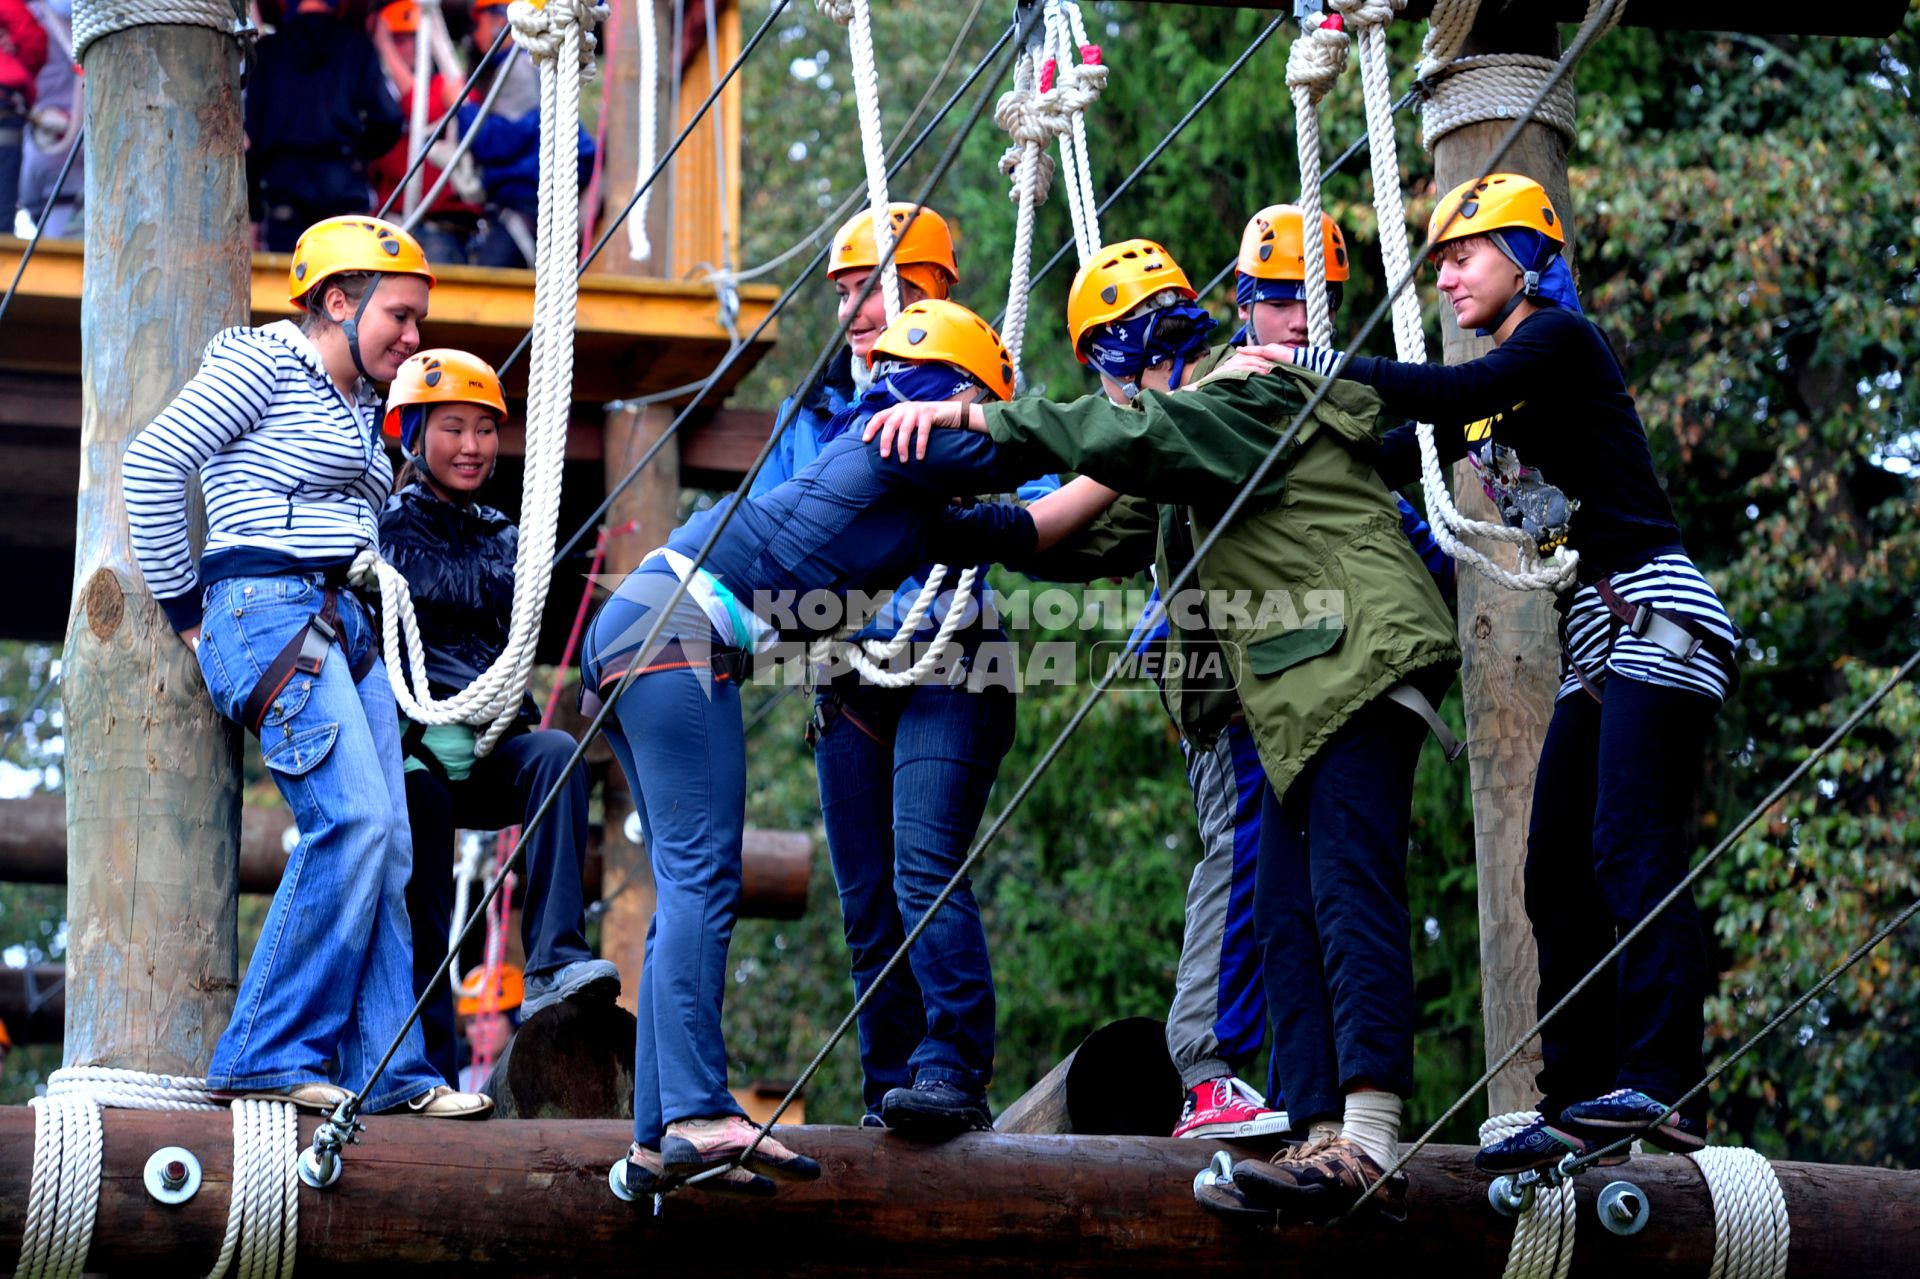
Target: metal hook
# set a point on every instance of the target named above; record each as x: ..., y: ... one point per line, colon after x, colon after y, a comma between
x: 1511, y: 1196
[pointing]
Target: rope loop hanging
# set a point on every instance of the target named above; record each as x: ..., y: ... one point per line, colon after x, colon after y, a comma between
x: 1751, y: 1233
x: 1314, y: 62
x: 1462, y: 90
x: 93, y: 19
x: 559, y: 38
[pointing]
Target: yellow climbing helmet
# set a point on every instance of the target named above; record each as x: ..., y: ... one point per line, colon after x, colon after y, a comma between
x: 1493, y: 203
x: 1117, y: 279
x: 1273, y: 246
x: 352, y: 243
x: 925, y: 255
x: 442, y: 377
x: 946, y: 331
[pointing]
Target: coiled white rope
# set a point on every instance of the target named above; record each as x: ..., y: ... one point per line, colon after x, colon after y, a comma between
x: 63, y: 1198
x: 639, y: 244
x: 1314, y: 62
x: 1751, y: 1233
x: 558, y: 38
x: 95, y: 18
x: 1543, y: 1234
x: 1488, y: 86
x: 867, y: 657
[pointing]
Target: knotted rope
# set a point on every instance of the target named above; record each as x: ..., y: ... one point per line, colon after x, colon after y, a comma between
x: 1318, y: 56
x: 95, y: 18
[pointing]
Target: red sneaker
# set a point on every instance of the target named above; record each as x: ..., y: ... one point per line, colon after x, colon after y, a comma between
x: 1228, y: 1108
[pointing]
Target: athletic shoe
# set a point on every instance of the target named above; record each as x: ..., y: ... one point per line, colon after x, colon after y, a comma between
x: 646, y: 1175
x: 443, y: 1102
x: 1541, y: 1145
x: 1319, y: 1182
x: 1214, y: 1189
x: 583, y: 979
x: 872, y: 1120
x: 321, y: 1098
x: 935, y: 1109
x: 1631, y: 1108
x: 1228, y: 1108
x: 694, y: 1145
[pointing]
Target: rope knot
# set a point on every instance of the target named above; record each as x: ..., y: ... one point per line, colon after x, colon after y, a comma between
x: 1318, y: 56
x: 1029, y: 117
x: 542, y: 29
x: 1043, y: 168
x: 1360, y: 14
x: 840, y: 11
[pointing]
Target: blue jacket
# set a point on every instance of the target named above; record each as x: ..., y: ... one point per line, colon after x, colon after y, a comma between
x: 458, y: 562
x: 508, y: 153
x: 800, y: 444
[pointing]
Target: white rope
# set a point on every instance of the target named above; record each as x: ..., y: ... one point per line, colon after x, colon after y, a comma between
x: 1489, y: 86
x: 131, y: 1089
x: 263, y: 1203
x: 95, y: 18
x: 639, y: 245
x: 1318, y: 56
x: 63, y: 1198
x: 558, y: 39
x: 1751, y: 1234
x: 857, y: 17
x: 1019, y: 112
x: 866, y: 657
x: 417, y: 112
x: 1542, y: 1235
x: 1076, y: 84
x: 466, y: 872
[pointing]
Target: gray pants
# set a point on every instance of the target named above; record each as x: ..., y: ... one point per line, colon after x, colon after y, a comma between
x: 1219, y: 1011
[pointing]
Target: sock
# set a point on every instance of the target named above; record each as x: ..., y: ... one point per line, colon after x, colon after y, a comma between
x: 1324, y: 1130
x: 1373, y: 1124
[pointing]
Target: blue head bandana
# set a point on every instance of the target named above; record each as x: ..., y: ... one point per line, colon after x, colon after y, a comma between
x: 1124, y: 349
x: 898, y: 382
x: 412, y: 418
x: 1249, y: 289
x: 1531, y: 251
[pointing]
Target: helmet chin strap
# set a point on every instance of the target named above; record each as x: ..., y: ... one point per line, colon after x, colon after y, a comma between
x: 351, y: 328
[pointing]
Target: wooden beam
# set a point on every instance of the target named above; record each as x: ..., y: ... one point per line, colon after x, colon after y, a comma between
x: 152, y: 770
x: 1791, y: 17
x: 531, y: 1197
x: 33, y: 850
x: 634, y: 337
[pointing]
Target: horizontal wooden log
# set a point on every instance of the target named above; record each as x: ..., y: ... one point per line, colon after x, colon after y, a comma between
x: 1120, y: 1081
x: 33, y: 850
x: 530, y: 1197
x: 1773, y: 17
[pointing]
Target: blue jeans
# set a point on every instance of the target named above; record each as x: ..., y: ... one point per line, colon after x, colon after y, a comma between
x: 504, y: 789
x: 678, y: 735
x: 331, y: 979
x: 1609, y: 836
x: 1330, y: 907
x: 904, y: 779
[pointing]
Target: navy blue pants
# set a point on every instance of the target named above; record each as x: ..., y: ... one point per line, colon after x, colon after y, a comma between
x: 1608, y: 838
x: 1330, y: 912
x: 904, y: 779
x: 504, y: 789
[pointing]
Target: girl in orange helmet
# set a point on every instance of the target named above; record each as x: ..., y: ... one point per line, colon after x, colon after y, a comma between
x: 281, y: 428
x: 1648, y: 657
x: 458, y: 556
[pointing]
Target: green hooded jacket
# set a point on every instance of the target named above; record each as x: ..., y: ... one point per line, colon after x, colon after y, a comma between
x: 1319, y: 600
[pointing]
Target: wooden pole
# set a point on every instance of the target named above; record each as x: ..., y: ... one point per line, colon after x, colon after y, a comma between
x: 153, y: 778
x: 1511, y: 666
x: 531, y: 1197
x: 1118, y: 1082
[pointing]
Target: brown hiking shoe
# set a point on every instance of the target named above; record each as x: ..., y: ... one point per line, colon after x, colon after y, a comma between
x: 1319, y: 1182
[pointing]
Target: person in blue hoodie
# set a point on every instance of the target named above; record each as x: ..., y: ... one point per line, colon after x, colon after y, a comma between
x: 849, y: 521
x: 506, y: 146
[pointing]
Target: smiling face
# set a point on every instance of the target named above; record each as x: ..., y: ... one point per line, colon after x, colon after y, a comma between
x: 1476, y: 279
x: 461, y: 443
x: 866, y: 325
x: 390, y: 326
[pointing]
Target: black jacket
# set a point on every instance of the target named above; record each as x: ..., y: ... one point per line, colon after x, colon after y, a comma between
x: 458, y: 562
x: 318, y: 109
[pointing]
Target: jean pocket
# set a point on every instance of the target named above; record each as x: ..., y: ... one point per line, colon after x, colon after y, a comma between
x: 299, y: 751
x: 282, y: 710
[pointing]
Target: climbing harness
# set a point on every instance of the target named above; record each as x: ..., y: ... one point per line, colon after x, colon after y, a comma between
x: 304, y: 653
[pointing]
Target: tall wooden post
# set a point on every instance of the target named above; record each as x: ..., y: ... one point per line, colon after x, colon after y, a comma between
x: 1511, y: 666
x: 653, y: 500
x: 152, y: 779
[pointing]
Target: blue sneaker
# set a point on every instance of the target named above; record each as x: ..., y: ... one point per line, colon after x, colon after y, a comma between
x: 1542, y: 1145
x: 1625, y: 1108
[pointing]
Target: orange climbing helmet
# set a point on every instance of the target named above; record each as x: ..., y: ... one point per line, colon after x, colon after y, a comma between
x: 1117, y: 279
x: 925, y: 255
x: 401, y: 18
x: 355, y: 242
x: 1273, y: 246
x: 1493, y: 203
x: 440, y: 377
x: 6, y: 1040
x: 946, y: 331
x: 509, y: 988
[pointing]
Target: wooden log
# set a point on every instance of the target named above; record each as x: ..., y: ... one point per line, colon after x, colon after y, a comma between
x: 153, y: 772
x: 1509, y: 639
x: 33, y: 850
x: 530, y: 1197
x: 568, y: 1061
x: 1120, y: 1081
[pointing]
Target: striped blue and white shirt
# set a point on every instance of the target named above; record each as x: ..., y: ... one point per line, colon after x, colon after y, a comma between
x: 1671, y: 584
x: 294, y: 474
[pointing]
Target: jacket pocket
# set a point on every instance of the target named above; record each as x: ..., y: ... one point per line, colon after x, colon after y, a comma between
x: 1289, y: 648
x: 296, y: 753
